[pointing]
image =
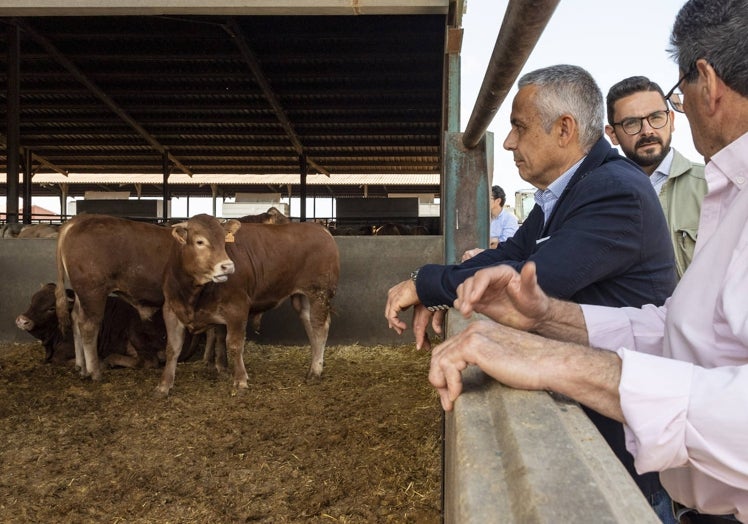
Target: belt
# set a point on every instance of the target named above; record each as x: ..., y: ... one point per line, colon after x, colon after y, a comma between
x: 686, y: 515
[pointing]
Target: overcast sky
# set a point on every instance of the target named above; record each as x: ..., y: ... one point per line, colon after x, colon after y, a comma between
x: 610, y: 39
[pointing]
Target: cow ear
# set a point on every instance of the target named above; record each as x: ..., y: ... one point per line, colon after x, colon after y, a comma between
x: 179, y: 231
x: 231, y: 226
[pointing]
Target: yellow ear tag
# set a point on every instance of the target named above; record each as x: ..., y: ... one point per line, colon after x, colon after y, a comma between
x: 229, y: 237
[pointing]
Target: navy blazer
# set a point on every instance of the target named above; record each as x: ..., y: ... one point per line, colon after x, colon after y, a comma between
x: 605, y: 243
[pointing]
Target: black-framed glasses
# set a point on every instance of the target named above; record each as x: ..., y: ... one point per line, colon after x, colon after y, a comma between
x: 675, y: 98
x: 633, y: 125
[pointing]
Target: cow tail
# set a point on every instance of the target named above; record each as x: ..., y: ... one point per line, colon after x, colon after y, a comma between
x: 61, y: 300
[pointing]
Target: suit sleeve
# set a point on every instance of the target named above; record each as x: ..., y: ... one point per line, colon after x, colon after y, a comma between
x: 437, y: 284
x: 596, y: 233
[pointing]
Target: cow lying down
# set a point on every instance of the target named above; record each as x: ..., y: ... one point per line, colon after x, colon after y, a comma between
x: 124, y: 338
x: 204, y: 273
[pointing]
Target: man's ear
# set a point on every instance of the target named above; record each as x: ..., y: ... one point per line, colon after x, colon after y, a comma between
x: 567, y: 129
x: 711, y: 87
x: 611, y: 132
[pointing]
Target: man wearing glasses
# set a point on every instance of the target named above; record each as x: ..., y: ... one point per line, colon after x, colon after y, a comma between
x: 640, y: 123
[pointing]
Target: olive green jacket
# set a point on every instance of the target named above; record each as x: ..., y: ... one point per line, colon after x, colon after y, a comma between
x: 680, y: 197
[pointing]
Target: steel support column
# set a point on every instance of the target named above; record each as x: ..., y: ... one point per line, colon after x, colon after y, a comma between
x: 303, y: 169
x: 27, y: 175
x: 12, y: 142
x: 165, y: 186
x: 467, y: 181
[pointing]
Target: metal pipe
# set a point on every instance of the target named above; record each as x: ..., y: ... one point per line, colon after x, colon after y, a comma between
x: 524, y: 21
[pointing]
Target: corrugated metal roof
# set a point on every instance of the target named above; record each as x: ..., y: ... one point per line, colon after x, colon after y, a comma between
x: 233, y: 95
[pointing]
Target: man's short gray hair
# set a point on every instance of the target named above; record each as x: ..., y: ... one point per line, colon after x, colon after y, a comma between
x: 717, y: 31
x: 568, y: 90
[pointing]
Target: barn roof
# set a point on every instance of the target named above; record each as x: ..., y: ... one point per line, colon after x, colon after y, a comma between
x: 242, y: 88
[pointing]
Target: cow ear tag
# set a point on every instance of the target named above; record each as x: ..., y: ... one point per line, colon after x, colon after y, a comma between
x: 229, y: 237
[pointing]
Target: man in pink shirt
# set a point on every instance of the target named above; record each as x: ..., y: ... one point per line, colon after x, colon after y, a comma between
x: 676, y: 375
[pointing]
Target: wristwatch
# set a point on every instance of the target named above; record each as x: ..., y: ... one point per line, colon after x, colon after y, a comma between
x: 414, y: 274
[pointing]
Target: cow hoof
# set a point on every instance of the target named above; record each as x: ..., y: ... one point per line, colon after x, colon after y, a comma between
x: 313, y: 378
x: 160, y: 392
x: 239, y: 392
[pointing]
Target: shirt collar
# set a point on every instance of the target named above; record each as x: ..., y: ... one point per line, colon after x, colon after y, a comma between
x: 731, y: 161
x: 667, y: 162
x: 557, y: 187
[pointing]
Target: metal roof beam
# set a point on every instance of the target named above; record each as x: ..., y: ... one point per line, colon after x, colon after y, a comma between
x: 40, y: 159
x: 98, y: 92
x: 235, y: 32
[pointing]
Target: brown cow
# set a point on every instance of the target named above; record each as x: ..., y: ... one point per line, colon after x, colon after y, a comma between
x: 272, y: 263
x: 272, y: 216
x: 102, y: 254
x: 38, y: 231
x: 124, y: 339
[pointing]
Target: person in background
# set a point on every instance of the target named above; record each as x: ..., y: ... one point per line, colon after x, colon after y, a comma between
x: 597, y: 233
x: 640, y: 123
x: 675, y: 375
x: 503, y: 223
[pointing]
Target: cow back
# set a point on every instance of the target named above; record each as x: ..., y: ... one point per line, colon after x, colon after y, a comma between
x: 102, y: 254
x: 276, y: 261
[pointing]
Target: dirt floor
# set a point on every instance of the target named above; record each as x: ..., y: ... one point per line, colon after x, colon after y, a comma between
x: 362, y: 445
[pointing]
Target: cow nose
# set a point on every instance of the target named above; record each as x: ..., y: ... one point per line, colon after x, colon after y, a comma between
x: 227, y: 267
x: 24, y: 323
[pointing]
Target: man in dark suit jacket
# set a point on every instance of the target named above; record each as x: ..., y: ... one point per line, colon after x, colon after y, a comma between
x: 597, y: 233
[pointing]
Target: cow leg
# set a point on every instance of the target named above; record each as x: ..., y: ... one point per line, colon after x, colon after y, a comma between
x: 86, y: 335
x: 209, y: 354
x: 315, y: 316
x: 80, y: 359
x: 219, y: 346
x: 174, y: 341
x: 235, y: 338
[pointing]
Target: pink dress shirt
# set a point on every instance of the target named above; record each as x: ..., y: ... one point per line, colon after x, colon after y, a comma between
x: 687, y: 414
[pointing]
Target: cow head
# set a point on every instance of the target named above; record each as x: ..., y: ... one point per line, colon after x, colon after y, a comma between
x: 41, y: 317
x: 202, y: 248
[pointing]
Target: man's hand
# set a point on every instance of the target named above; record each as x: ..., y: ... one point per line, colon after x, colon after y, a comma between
x: 504, y: 295
x: 528, y: 361
x: 470, y: 253
x: 421, y: 318
x: 510, y: 356
x: 399, y: 298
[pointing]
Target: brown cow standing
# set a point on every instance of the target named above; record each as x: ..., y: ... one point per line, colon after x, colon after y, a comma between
x: 101, y: 254
x: 272, y: 263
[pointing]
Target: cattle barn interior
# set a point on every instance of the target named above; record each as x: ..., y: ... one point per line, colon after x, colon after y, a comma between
x: 285, y: 92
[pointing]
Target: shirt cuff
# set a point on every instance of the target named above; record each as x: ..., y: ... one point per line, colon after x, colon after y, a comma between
x: 607, y: 328
x: 654, y: 393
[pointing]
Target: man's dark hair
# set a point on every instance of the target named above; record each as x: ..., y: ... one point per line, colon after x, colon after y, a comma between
x: 497, y: 192
x: 629, y: 86
x: 714, y: 30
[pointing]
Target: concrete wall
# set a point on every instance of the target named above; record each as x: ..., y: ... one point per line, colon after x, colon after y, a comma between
x: 369, y: 267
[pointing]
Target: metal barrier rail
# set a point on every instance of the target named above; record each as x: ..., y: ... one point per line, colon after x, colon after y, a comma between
x: 520, y: 457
